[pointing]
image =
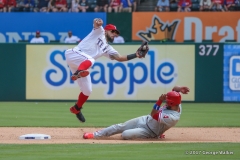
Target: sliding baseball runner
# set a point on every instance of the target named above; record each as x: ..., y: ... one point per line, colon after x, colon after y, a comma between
x: 149, y: 126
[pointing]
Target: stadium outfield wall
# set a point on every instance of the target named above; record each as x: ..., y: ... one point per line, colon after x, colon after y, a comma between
x: 39, y: 72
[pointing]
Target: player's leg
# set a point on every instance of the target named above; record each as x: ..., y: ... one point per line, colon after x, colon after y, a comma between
x: 79, y: 63
x: 136, y: 133
x: 82, y: 70
x: 73, y: 59
x: 116, y: 128
x: 86, y: 88
x: 139, y: 131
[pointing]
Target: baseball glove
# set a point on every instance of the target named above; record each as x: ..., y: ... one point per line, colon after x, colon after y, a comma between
x: 143, y: 49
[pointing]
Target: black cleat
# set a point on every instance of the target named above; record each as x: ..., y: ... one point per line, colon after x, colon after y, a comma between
x: 77, y: 111
x: 80, y: 117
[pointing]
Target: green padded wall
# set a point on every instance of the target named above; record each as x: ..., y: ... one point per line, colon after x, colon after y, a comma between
x: 209, y: 72
x: 123, y: 21
x: 13, y: 71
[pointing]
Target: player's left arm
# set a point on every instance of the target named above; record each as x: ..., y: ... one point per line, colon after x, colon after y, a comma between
x: 140, y: 53
x: 157, y: 105
x: 121, y: 58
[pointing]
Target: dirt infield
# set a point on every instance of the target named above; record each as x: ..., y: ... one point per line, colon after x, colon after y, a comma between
x: 10, y: 135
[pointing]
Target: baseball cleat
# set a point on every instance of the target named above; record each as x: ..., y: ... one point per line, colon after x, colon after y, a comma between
x: 75, y: 110
x: 162, y: 136
x: 88, y: 136
x: 79, y: 74
x: 80, y: 117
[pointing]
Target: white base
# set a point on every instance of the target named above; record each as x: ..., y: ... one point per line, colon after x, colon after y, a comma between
x: 35, y: 136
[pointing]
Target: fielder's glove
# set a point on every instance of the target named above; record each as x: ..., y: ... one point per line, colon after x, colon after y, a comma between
x: 143, y: 49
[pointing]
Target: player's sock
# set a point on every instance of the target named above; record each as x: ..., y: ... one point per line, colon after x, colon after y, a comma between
x: 85, y: 65
x: 81, y: 100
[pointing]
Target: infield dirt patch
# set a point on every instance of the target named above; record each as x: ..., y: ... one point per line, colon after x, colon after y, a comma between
x: 10, y: 135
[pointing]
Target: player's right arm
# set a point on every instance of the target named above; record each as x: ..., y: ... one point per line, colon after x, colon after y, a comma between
x: 97, y: 22
x: 182, y: 89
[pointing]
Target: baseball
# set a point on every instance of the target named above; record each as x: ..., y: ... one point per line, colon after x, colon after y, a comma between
x: 144, y: 47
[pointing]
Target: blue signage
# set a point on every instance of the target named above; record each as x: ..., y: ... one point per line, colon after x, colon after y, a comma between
x: 231, y: 73
x: 52, y: 26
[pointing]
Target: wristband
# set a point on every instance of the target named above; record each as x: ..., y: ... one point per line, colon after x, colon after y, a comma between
x: 156, y: 107
x: 131, y: 56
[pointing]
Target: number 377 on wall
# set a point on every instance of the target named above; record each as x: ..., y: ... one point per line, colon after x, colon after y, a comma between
x: 208, y: 50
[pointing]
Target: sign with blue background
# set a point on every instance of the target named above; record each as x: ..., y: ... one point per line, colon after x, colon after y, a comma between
x: 53, y: 26
x: 231, y: 73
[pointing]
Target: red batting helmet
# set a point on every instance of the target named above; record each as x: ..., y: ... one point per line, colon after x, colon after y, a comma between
x: 173, y: 98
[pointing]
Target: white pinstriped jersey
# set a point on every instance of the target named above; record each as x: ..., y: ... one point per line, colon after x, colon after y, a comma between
x: 95, y: 44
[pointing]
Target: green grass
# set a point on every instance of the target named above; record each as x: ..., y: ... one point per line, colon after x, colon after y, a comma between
x: 56, y: 114
x: 120, y: 151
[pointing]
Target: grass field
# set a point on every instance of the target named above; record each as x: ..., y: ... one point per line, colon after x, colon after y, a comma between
x: 120, y: 151
x: 56, y: 114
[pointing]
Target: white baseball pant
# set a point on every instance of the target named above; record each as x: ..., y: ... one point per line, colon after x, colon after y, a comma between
x: 74, y: 58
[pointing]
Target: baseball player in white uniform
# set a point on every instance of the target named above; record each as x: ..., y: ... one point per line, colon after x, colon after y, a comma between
x: 148, y: 126
x: 82, y: 57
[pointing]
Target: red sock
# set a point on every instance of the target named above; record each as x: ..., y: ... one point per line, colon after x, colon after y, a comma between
x: 85, y: 65
x: 81, y: 100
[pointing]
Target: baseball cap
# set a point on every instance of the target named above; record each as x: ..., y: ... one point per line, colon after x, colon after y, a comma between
x: 37, y: 32
x: 111, y: 27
